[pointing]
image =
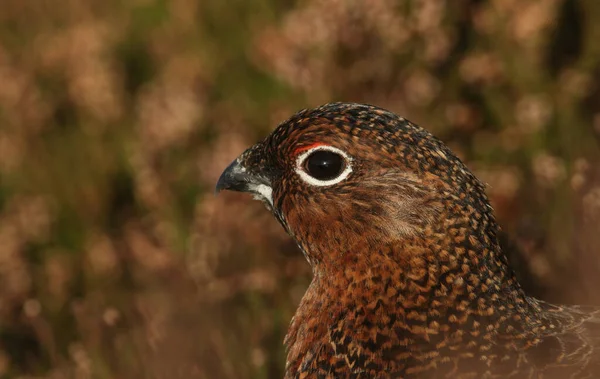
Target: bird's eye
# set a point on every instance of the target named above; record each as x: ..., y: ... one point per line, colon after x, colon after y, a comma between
x: 323, y: 165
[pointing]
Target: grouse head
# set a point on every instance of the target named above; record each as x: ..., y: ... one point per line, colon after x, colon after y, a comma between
x: 351, y: 182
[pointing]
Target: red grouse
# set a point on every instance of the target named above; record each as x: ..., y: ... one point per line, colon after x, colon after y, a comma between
x: 409, y: 279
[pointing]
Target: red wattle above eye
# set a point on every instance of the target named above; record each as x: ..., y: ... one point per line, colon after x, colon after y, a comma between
x: 300, y: 149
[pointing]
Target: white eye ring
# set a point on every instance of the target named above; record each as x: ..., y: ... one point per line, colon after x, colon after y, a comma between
x: 322, y: 183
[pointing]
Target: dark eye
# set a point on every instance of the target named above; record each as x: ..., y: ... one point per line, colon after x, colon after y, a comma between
x: 324, y: 165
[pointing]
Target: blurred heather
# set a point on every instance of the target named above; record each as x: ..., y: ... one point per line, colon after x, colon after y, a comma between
x: 117, y: 117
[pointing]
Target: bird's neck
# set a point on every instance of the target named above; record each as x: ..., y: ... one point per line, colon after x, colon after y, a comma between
x: 422, y: 291
x: 456, y: 266
x: 434, y: 281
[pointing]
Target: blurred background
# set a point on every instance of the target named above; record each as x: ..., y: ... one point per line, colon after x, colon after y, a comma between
x: 117, y: 117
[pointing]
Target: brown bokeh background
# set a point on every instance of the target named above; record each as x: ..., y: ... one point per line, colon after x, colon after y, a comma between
x: 117, y: 117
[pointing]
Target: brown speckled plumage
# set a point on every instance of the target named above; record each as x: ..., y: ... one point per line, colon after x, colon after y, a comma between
x: 409, y: 279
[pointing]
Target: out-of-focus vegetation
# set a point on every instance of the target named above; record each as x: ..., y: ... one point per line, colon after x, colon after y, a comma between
x: 116, y: 118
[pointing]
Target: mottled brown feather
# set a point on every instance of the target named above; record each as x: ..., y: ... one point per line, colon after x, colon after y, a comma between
x: 409, y: 277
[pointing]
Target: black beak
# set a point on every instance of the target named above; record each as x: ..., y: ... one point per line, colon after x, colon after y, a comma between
x: 237, y: 177
x: 234, y: 178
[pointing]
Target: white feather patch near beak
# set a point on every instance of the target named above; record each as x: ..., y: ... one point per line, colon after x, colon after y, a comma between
x: 262, y: 192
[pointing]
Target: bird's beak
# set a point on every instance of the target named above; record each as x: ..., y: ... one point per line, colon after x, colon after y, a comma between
x: 234, y: 178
